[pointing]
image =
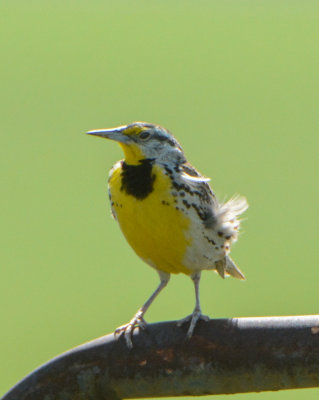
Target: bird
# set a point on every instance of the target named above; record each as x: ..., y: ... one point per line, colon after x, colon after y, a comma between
x: 169, y: 214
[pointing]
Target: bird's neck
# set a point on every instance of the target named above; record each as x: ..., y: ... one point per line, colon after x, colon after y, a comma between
x: 133, y: 154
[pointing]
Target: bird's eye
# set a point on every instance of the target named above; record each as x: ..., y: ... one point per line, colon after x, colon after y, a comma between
x: 144, y: 135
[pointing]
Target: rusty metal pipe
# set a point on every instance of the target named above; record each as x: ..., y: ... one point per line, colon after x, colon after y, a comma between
x: 224, y: 356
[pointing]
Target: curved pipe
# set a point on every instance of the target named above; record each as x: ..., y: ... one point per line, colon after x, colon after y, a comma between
x: 224, y: 356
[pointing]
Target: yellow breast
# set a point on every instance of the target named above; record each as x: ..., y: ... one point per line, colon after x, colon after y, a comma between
x: 153, y: 226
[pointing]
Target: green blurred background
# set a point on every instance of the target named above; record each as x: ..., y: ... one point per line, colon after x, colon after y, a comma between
x: 236, y: 81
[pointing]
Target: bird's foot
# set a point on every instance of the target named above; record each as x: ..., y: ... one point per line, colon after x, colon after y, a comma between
x: 127, y: 330
x: 193, y: 318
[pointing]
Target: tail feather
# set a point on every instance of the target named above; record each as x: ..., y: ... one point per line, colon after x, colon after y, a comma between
x: 228, y: 227
x: 226, y: 267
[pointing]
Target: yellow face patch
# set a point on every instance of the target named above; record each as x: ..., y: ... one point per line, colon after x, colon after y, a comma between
x: 133, y: 152
x: 134, y: 130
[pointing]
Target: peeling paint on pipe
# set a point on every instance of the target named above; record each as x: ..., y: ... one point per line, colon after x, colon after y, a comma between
x: 224, y: 356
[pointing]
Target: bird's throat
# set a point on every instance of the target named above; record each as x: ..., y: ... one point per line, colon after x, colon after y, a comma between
x: 133, y: 153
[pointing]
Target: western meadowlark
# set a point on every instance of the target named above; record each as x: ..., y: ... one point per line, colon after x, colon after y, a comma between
x: 168, y: 213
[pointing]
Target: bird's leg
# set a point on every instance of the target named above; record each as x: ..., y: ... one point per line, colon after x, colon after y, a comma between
x: 197, y: 313
x: 138, y: 319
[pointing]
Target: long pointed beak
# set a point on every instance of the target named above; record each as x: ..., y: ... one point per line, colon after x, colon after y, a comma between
x: 111, y: 133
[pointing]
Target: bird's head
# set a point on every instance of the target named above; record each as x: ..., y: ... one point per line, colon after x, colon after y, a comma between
x: 141, y: 140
